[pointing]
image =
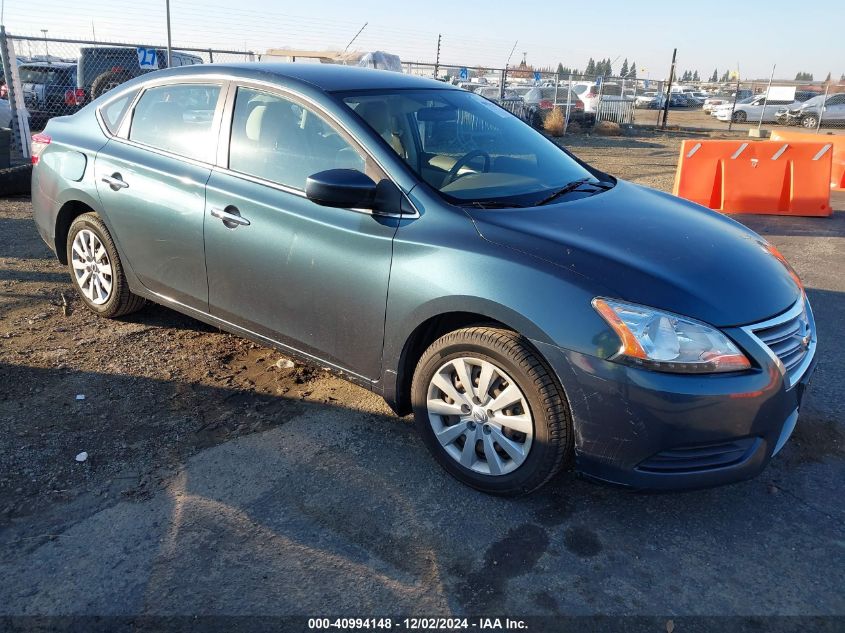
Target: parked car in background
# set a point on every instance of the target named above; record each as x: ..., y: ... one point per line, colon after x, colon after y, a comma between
x: 728, y: 107
x: 531, y: 311
x: 470, y: 85
x: 716, y: 100
x: 495, y: 94
x: 49, y: 89
x: 543, y: 98
x: 588, y: 92
x: 649, y: 100
x: 678, y: 100
x: 808, y: 113
x: 760, y: 105
x: 101, y: 68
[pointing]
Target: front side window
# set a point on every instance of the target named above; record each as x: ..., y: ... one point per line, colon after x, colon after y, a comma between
x: 279, y: 140
x: 466, y: 147
x: 177, y: 118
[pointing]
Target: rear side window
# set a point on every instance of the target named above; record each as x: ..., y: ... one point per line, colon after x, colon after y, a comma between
x: 177, y: 118
x: 113, y: 111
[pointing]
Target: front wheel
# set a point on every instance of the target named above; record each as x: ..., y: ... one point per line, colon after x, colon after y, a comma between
x: 491, y: 411
x: 740, y: 117
x: 810, y: 121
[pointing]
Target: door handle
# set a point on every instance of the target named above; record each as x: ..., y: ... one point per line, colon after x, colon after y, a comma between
x: 231, y: 220
x: 115, y: 182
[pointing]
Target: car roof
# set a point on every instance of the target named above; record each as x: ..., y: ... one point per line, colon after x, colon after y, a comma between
x: 326, y: 77
x: 60, y: 65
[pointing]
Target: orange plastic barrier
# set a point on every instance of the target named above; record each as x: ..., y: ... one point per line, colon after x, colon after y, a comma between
x: 767, y: 177
x: 837, y: 176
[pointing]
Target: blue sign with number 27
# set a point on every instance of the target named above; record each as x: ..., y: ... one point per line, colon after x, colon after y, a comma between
x: 147, y: 58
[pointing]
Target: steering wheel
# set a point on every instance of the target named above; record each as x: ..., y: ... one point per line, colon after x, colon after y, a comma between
x: 463, y: 161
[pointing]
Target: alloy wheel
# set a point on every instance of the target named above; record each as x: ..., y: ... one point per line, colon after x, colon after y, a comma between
x: 92, y: 269
x: 480, y: 416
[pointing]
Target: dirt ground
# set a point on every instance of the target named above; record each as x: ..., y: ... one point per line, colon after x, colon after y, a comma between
x: 212, y: 461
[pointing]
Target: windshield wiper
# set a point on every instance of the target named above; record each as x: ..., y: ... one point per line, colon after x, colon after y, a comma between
x: 572, y: 186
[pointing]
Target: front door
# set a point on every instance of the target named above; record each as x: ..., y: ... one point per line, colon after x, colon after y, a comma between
x: 152, y: 187
x: 311, y: 277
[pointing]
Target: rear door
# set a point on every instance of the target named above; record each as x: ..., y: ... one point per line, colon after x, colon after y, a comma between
x: 151, y: 180
x: 312, y: 277
x: 834, y: 109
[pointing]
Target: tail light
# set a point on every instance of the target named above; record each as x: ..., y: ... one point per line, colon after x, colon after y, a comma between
x: 39, y: 144
x: 579, y: 105
x: 74, y: 97
x: 546, y: 104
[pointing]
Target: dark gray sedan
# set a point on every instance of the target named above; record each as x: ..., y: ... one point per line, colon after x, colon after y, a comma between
x: 532, y: 312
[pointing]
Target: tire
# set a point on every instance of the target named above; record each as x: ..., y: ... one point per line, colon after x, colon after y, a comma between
x: 109, y: 296
x: 811, y: 121
x: 108, y: 80
x: 16, y: 180
x: 740, y: 117
x: 516, y: 363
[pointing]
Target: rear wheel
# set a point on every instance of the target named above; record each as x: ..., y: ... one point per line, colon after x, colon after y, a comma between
x: 491, y: 411
x: 96, y: 270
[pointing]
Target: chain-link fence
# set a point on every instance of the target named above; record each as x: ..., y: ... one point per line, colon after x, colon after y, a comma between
x: 588, y: 99
x: 56, y: 77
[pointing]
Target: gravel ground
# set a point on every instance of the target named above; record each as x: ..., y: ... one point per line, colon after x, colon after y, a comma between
x: 223, y: 479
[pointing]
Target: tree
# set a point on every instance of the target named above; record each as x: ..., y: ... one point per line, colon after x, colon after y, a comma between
x: 696, y: 76
x: 726, y: 77
x: 715, y: 76
x: 827, y: 80
x: 591, y: 67
x: 608, y: 68
x: 802, y: 76
x: 560, y: 69
x: 624, y: 71
x: 633, y: 72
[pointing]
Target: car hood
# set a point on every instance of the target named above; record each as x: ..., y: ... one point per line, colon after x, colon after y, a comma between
x: 654, y: 249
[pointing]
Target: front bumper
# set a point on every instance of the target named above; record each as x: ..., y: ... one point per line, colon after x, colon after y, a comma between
x: 660, y: 431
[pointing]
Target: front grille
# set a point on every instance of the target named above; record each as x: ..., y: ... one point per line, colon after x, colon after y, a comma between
x: 791, y: 338
x: 698, y: 458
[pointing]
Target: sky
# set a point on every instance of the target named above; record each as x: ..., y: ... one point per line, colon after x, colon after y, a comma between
x: 718, y: 34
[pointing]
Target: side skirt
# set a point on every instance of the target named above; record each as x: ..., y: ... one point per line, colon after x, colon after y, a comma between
x: 373, y: 385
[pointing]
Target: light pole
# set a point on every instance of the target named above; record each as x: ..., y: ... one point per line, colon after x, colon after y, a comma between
x: 46, y: 49
x: 167, y: 8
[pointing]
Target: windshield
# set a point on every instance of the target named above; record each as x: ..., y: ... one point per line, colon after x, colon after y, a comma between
x: 466, y: 147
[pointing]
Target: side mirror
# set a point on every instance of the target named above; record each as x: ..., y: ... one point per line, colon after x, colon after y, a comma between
x: 344, y: 188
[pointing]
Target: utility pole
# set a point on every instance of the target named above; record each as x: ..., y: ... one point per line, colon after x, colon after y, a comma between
x: 46, y: 48
x: 766, y: 98
x: 669, y: 88
x: 505, y: 72
x: 736, y: 97
x: 169, y: 52
x: 437, y: 58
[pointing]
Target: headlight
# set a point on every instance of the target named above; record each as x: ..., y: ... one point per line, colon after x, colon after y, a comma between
x: 663, y: 341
